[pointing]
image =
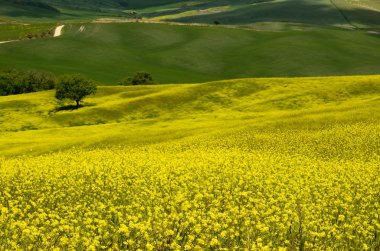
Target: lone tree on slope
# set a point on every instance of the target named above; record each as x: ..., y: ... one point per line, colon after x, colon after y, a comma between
x: 74, y: 87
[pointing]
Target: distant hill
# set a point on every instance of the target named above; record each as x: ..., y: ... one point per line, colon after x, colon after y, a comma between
x: 182, y: 54
x: 354, y: 14
x: 106, y: 4
x: 19, y: 8
x: 87, y: 4
x: 338, y: 13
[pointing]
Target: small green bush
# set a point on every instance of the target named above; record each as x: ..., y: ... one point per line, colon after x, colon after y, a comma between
x: 139, y: 78
x: 17, y: 82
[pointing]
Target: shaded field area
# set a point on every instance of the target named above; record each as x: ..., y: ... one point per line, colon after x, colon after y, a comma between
x: 346, y: 13
x: 247, y: 163
x: 180, y: 54
x: 263, y: 14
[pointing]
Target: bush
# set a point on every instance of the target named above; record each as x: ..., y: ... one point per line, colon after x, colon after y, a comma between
x: 139, y: 78
x: 17, y: 82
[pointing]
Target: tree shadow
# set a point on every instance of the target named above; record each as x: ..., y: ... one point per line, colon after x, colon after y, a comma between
x: 60, y: 108
x: 67, y: 108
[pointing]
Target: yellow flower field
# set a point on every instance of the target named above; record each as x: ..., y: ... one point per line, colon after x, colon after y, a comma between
x: 197, y: 194
x: 259, y: 164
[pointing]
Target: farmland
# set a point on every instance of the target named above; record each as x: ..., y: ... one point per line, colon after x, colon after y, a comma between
x: 260, y: 129
x: 184, y: 54
x: 252, y: 163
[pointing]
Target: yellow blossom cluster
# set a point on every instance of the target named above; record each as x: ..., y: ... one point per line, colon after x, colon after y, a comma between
x: 198, y: 194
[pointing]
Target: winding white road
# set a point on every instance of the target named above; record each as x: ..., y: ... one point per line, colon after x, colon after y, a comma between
x: 3, y: 42
x: 58, y: 31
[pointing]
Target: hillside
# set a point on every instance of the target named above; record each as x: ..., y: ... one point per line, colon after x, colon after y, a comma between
x: 178, y: 54
x: 263, y: 14
x: 259, y: 163
x: 148, y: 114
x: 341, y: 13
x: 260, y: 129
x: 22, y: 8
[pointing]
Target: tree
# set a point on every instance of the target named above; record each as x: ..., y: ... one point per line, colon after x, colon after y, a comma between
x: 35, y: 81
x: 9, y: 82
x: 139, y: 78
x: 17, y: 82
x: 74, y: 87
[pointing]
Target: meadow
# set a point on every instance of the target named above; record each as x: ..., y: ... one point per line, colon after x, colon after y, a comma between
x: 21, y: 31
x: 253, y: 164
x: 268, y: 14
x: 188, y: 54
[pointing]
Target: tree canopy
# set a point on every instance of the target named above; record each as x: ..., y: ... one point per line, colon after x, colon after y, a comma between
x: 74, y: 87
x: 139, y: 78
x: 17, y: 82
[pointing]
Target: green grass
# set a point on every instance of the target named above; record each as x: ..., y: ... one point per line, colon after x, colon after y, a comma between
x: 180, y: 54
x: 20, y: 31
x: 26, y: 11
x: 342, y: 13
x: 248, y: 12
x: 20, y: 9
x: 361, y: 14
x: 294, y: 13
x: 139, y: 115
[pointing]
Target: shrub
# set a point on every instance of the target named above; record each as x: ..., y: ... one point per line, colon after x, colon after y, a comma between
x: 17, y: 82
x: 139, y: 78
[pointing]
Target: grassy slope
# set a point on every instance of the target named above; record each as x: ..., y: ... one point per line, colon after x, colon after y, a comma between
x: 109, y: 52
x: 244, y: 12
x: 54, y: 11
x: 267, y: 108
x: 274, y: 164
x: 17, y: 10
x: 20, y: 31
x: 360, y: 14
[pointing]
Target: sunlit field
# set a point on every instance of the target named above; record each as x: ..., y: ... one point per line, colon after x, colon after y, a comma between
x: 251, y: 164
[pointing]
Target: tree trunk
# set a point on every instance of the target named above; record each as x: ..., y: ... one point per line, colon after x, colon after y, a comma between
x: 77, y: 103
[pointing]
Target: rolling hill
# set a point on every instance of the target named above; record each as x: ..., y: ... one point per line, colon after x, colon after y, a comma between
x: 341, y: 13
x: 22, y: 8
x: 222, y: 155
x: 178, y: 54
x: 249, y: 141
x: 138, y: 115
x: 264, y: 14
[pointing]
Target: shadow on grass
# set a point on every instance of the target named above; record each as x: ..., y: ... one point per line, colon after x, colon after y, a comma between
x: 67, y: 108
x: 70, y: 107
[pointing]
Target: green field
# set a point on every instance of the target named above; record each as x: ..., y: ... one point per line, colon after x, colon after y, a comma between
x: 21, y: 31
x: 263, y: 14
x: 289, y: 38
x: 343, y: 13
x: 20, y: 9
x: 179, y: 54
x: 262, y: 164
